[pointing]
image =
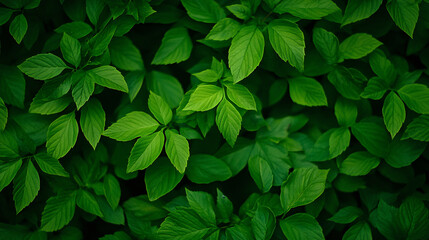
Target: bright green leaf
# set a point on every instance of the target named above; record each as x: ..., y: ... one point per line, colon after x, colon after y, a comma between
x: 43, y: 66
x: 62, y: 135
x: 287, y: 40
x: 228, y: 121
x: 204, y: 98
x: 177, y: 149
x: 303, y: 186
x: 176, y: 47
x: 50, y: 165
x: 110, y: 77
x: 358, y: 46
x: 145, y: 151
x: 241, y: 96
x: 133, y: 125
x: 92, y: 120
x: 159, y: 108
x: 246, y: 51
x: 307, y: 91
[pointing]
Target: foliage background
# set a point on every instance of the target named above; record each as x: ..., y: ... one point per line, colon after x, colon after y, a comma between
x: 273, y: 119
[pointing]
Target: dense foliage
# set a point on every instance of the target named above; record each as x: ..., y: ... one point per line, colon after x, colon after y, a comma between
x: 214, y: 119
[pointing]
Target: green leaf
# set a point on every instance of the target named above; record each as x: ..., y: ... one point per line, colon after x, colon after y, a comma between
x: 183, y: 224
x: 110, y: 77
x: 176, y: 47
x: 8, y: 145
x: 241, y: 96
x: 92, y: 121
x: 58, y: 212
x: 359, y: 164
x: 358, y: 46
x: 224, y: 29
x: 240, y: 11
x: 70, y: 47
x: 357, y: 10
x: 207, y: 76
x: 18, y: 28
x: 125, y: 55
x: 75, y: 29
x: 346, y: 112
x: 99, y: 43
x: 416, y: 97
x: 347, y: 81
x: 414, y: 218
x: 110, y: 215
x: 307, y: 9
x: 385, y: 219
x: 177, y: 149
x: 339, y: 141
x: 160, y: 108
x: 303, y: 186
x: 224, y: 206
x: 261, y: 173
x: 166, y: 86
x: 94, y: 9
x: 203, y: 205
x: 12, y: 86
x: 3, y: 115
x: 327, y: 44
x: 144, y: 209
x: 205, y: 168
x: 50, y: 165
x: 8, y: 170
x: 5, y: 14
x: 418, y: 129
x: 62, y: 135
x: 263, y: 223
x: 382, y: 66
x: 301, y: 226
x: 228, y: 121
x: 134, y: 81
x: 46, y: 107
x: 145, y: 151
x: 246, y: 51
x: 346, y: 215
x: 372, y: 134
x: 307, y: 91
x: 87, y: 202
x: 375, y: 89
x: 402, y: 153
x: 26, y: 186
x: 83, y: 87
x: 204, y: 98
x: 393, y: 113
x: 112, y: 190
x: 288, y: 42
x: 207, y: 11
x: 133, y: 125
x: 160, y: 178
x: 404, y: 13
x: 43, y: 66
x: 360, y: 230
